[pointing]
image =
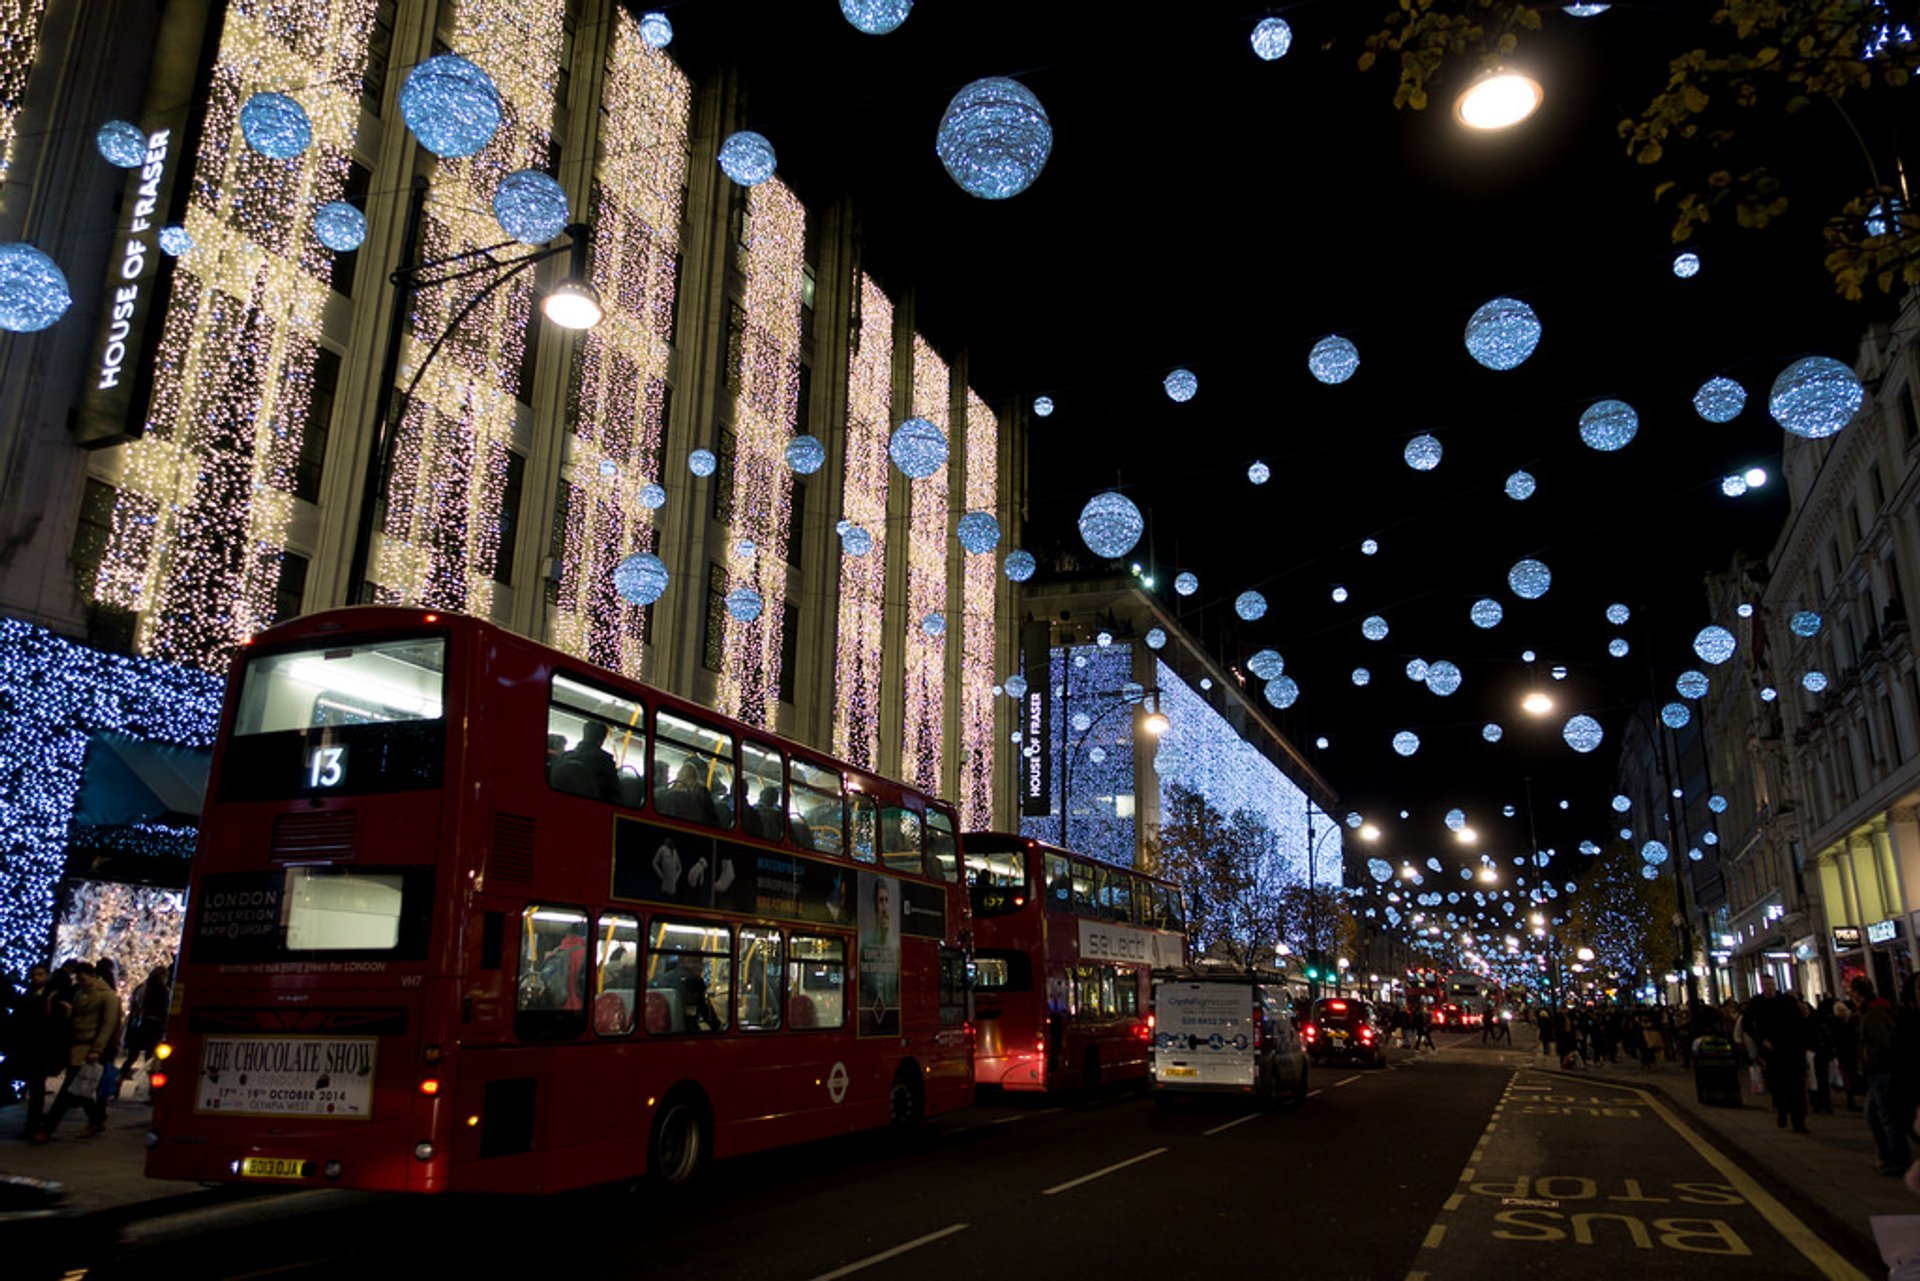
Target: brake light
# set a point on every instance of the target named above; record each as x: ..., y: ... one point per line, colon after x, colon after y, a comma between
x: 430, y: 1086
x: 1152, y: 1021
x: 1259, y: 1027
x: 1310, y: 1033
x: 1366, y: 1034
x: 1338, y: 1007
x: 156, y: 1080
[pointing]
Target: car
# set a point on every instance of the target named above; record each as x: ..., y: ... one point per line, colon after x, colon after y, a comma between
x: 1225, y: 1032
x: 1346, y: 1029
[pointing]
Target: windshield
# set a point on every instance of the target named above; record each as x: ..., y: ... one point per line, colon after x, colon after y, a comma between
x: 996, y: 877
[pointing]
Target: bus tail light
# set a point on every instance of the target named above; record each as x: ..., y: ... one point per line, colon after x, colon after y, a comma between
x: 156, y: 1080
x: 163, y: 1051
x: 429, y: 1086
x: 1309, y: 1033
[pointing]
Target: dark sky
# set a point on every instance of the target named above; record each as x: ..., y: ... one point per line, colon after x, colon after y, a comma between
x: 1206, y: 209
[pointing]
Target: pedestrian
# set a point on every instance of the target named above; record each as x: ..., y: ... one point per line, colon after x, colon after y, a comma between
x: 1423, y: 1030
x: 147, y: 1016
x: 90, y: 1036
x: 28, y: 1028
x: 1846, y: 1052
x: 1879, y: 1034
x: 1820, y: 1024
x: 1780, y: 1030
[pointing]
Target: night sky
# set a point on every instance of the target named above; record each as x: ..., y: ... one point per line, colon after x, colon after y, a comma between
x: 1205, y: 209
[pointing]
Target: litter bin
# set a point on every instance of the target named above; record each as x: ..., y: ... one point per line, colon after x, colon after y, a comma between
x: 1716, y: 1072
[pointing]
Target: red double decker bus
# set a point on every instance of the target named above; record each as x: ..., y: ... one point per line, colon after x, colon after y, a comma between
x: 470, y: 915
x: 1064, y: 949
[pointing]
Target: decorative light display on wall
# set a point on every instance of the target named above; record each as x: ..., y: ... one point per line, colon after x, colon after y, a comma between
x: 1180, y: 386
x: 19, y: 49
x: 806, y: 455
x: 1186, y: 584
x: 1582, y: 733
x: 1486, y: 612
x: 275, y: 125
x: 1815, y: 397
x: 979, y: 601
x: 1502, y: 333
x: 452, y: 105
x: 1714, y: 644
x: 122, y: 144
x: 1111, y: 525
x: 656, y: 29
x: 1043, y: 406
x: 929, y: 533
x: 1720, y: 400
x: 206, y: 495
x: 1443, y: 677
x: 1020, y: 566
x: 618, y: 400
x: 1686, y: 264
x: 1520, y: 486
x: 1423, y: 453
x: 1529, y: 579
x: 977, y: 531
x: 1271, y: 39
x: 1259, y: 473
x: 1406, y: 743
x: 994, y: 138
x: 1333, y: 359
x: 747, y: 158
x: 1608, y: 425
x: 1691, y: 684
x: 1250, y: 606
x: 1374, y: 627
x: 530, y: 207
x: 33, y: 289
x: 59, y: 694
x: 641, y: 578
x: 340, y: 226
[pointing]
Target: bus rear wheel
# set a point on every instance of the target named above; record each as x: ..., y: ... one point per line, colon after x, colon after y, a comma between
x: 906, y: 1101
x: 677, y: 1150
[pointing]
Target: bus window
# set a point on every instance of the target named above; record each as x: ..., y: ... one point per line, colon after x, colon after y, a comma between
x: 596, y: 742
x: 1059, y: 884
x: 689, y: 977
x: 616, y: 954
x: 1156, y: 905
x: 763, y: 793
x: 1103, y: 893
x: 953, y: 987
x: 1003, y: 971
x: 1083, y: 890
x: 863, y: 819
x: 1176, y: 910
x: 815, y: 811
x: 761, y: 980
x: 941, y: 850
x: 1120, y: 896
x: 692, y: 771
x: 996, y: 880
x: 817, y: 982
x: 551, y: 1001
x: 900, y: 840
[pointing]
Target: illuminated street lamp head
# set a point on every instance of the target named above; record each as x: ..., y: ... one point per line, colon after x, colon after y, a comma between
x: 1537, y: 704
x: 1585, y: 954
x: 1488, y: 875
x: 1499, y: 99
x: 574, y: 303
x: 1368, y: 832
x: 1466, y: 836
x: 1155, y: 723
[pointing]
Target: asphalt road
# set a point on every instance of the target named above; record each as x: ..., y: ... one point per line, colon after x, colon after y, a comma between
x: 1458, y: 1164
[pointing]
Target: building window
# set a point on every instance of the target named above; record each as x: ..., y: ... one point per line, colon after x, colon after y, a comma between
x: 722, y: 479
x: 733, y: 350
x: 510, y: 518
x: 1875, y: 489
x: 311, y: 463
x: 292, y: 588
x: 92, y: 533
x: 373, y: 80
x: 1909, y: 421
x: 789, y: 645
x: 796, y: 520
x: 713, y: 642
x: 340, y: 270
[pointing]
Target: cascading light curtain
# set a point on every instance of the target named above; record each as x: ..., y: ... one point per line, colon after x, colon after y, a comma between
x: 866, y: 473
x: 620, y: 395
x: 19, y: 46
x: 765, y: 408
x: 979, y: 593
x: 206, y: 498
x: 927, y: 539
x: 444, y: 495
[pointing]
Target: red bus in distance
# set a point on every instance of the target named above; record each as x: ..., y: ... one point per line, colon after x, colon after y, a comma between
x: 470, y: 915
x: 1064, y: 949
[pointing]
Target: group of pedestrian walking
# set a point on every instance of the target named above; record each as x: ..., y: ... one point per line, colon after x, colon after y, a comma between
x: 1644, y: 1033
x: 71, y: 1023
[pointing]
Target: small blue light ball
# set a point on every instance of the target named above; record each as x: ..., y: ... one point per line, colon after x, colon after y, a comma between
x: 994, y: 138
x: 1333, y: 359
x: 530, y: 207
x: 641, y: 578
x: 1618, y: 647
x: 175, y: 240
x: 1250, y: 606
x: 33, y: 289
x: 1406, y: 742
x: 1720, y: 400
x: 701, y: 462
x: 1675, y: 716
x: 1267, y: 664
x: 1520, y: 486
x: 1443, y: 678
x: 1271, y: 39
x: 1186, y: 584
x: 978, y: 532
x: 1043, y: 406
x: 1618, y: 614
x: 1486, y: 612
x: 1714, y: 645
x: 1582, y: 733
x: 275, y: 125
x: 745, y: 604
x: 934, y: 624
x: 1361, y: 676
x: 1608, y: 425
x: 1016, y: 686
x: 856, y: 541
x: 653, y: 496
x: 747, y: 158
x: 656, y: 29
x: 806, y: 455
x: 1686, y: 265
x: 1020, y: 565
x: 1111, y: 525
x: 121, y: 144
x: 1529, y: 579
x: 918, y: 448
x: 1370, y: 547
x: 1804, y: 623
x: 1814, y: 682
x: 1423, y: 453
x: 1180, y: 385
x: 1491, y: 732
x: 1259, y: 473
x: 1691, y: 684
x: 1156, y: 638
x: 1282, y: 692
x: 1374, y: 628
x: 340, y: 226
x: 451, y: 106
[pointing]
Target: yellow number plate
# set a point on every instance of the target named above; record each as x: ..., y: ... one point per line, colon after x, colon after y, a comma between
x: 273, y: 1167
x: 1183, y: 1071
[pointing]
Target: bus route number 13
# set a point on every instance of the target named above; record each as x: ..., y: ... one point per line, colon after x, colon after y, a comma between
x: 326, y: 766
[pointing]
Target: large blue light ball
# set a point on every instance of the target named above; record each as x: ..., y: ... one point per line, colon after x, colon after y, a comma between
x: 994, y: 138
x: 656, y: 29
x: 1020, y: 565
x: 1259, y: 473
x: 1582, y: 733
x: 918, y: 448
x: 806, y: 455
x: 1675, y: 716
x: 340, y: 226
x: 1271, y: 39
x: 1502, y: 333
x: 1361, y: 676
x: 1267, y: 664
x: 653, y: 496
x: 1186, y: 584
x: 530, y: 207
x: 33, y: 289
x: 1486, y: 612
x: 1608, y: 425
x: 978, y: 532
x: 1714, y: 645
x: 451, y: 105
x: 1180, y: 385
x: 275, y: 125
x: 1043, y: 406
x: 1374, y: 627
x: 747, y: 158
x: 1406, y: 742
x: 876, y: 17
x: 1282, y: 692
x: 1333, y: 359
x: 1618, y: 647
x: 1804, y: 623
x: 745, y: 604
x: 1815, y: 397
x: 701, y: 462
x: 1423, y: 453
x: 1720, y: 400
x: 1443, y: 677
x: 1691, y: 684
x: 1156, y: 638
x: 1529, y: 579
x: 856, y: 541
x: 1250, y: 606
x: 1111, y: 525
x: 1520, y: 486
x: 121, y: 144
x: 641, y: 578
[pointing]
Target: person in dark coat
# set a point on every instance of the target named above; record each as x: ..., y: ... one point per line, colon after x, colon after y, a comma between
x: 587, y: 769
x: 1776, y: 1025
x: 28, y: 1046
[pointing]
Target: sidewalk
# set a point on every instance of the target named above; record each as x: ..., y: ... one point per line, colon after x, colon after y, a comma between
x: 1832, y: 1166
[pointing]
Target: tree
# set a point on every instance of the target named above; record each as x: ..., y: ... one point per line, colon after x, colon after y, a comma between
x: 1623, y: 916
x: 1227, y: 867
x: 1829, y: 74
x: 1317, y: 922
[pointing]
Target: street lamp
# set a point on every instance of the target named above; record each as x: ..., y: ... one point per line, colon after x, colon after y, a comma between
x: 572, y: 304
x: 1313, y: 894
x: 1499, y: 99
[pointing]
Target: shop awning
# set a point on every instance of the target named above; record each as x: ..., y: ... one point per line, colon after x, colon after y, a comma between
x: 126, y: 780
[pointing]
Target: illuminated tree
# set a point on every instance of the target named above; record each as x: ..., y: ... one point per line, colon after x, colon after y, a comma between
x: 1623, y: 916
x: 1228, y: 867
x: 1316, y: 922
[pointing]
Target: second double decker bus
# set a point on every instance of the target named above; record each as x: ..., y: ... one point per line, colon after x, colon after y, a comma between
x: 470, y: 915
x: 1064, y: 949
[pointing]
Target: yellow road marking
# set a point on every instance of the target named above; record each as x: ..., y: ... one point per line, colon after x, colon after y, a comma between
x: 1435, y: 1235
x: 1453, y: 1202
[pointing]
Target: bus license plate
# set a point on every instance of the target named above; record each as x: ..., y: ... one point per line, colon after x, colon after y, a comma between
x: 273, y: 1167
x: 1178, y: 1070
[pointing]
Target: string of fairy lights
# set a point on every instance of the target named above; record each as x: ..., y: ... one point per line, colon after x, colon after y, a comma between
x: 207, y: 491
x: 619, y: 398
x: 865, y: 474
x: 928, y: 538
x: 979, y: 592
x: 19, y: 43
x: 765, y: 410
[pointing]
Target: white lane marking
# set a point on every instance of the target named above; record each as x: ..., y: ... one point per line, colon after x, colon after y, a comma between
x: 1098, y: 1174
x: 897, y: 1250
x: 1349, y: 1081
x: 1311, y: 1093
x: 1251, y: 1116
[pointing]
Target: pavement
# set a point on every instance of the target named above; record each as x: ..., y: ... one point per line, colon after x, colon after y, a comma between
x: 1831, y: 1167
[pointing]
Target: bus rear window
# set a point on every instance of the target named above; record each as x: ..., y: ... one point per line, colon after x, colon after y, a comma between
x: 368, y: 684
x: 996, y: 880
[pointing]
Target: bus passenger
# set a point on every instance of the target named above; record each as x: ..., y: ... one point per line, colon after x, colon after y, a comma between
x: 764, y: 819
x: 587, y: 769
x: 685, y: 798
x: 683, y: 980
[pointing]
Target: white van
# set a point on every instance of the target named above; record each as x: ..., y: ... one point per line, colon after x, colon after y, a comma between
x: 1225, y: 1032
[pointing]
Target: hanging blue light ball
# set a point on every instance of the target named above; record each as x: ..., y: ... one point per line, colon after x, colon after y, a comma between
x: 1653, y: 853
x: 1582, y: 733
x: 1529, y: 579
x: 1717, y: 803
x: 1520, y: 486
x: 1016, y: 686
x: 876, y: 17
x: 1804, y: 623
x: 1720, y: 400
x: 1333, y: 359
x: 1043, y: 406
x: 1374, y: 627
x: 1486, y: 612
x: 1714, y: 645
x: 653, y: 496
x: 1608, y: 425
x: 121, y: 144
x: 994, y: 138
x: 934, y: 624
x: 275, y: 125
x: 1379, y: 869
x: 1111, y: 525
x: 656, y: 29
x: 918, y: 448
x: 1416, y: 669
x: 806, y: 455
x: 1282, y: 692
x: 175, y: 240
x: 340, y: 226
x: 1423, y: 453
x: 1267, y: 664
x: 1491, y: 732
x: 1361, y: 676
x: 856, y: 541
x: 1503, y: 333
x: 641, y: 578
x: 978, y: 532
x: 1675, y: 716
x: 1180, y: 385
x: 1156, y: 638
x: 1691, y: 684
x: 33, y: 289
x: 747, y: 158
x: 1618, y: 614
x: 745, y: 604
x: 1815, y: 397
x: 1443, y: 677
x: 451, y: 106
x: 1250, y: 606
x: 1339, y: 595
x: 1733, y: 486
x: 1621, y: 804
x: 1370, y: 547
x: 701, y: 462
x: 1020, y: 565
x: 1814, y: 682
x: 1271, y: 39
x: 1686, y: 265
x: 530, y: 207
x: 1618, y: 647
x: 1186, y: 584
x: 1406, y: 742
x: 1259, y: 473
x: 1455, y: 820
